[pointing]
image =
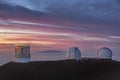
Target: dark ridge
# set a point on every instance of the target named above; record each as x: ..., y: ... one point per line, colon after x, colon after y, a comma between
x: 62, y: 70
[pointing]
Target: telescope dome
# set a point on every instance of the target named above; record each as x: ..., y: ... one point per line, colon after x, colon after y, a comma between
x: 74, y: 53
x: 104, y: 53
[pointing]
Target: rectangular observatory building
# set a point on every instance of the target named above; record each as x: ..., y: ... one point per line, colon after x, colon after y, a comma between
x: 22, y: 53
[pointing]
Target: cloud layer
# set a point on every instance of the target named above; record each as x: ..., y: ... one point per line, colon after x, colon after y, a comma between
x: 90, y: 11
x: 88, y: 24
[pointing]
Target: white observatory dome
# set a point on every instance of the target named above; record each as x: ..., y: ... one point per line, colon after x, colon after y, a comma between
x: 104, y: 53
x: 74, y: 53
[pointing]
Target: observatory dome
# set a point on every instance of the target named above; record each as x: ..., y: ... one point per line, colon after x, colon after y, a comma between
x: 74, y: 53
x: 104, y: 53
x: 22, y: 53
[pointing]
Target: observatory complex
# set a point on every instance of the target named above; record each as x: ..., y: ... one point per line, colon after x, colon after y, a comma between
x: 74, y: 53
x: 22, y: 53
x: 104, y: 53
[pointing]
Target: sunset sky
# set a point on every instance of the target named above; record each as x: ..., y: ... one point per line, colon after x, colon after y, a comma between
x: 60, y: 24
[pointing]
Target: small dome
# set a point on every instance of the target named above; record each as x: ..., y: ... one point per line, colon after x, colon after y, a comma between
x: 74, y: 53
x: 104, y: 53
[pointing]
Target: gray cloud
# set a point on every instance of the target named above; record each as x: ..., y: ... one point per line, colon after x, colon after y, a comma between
x: 104, y: 11
x: 90, y: 11
x: 19, y: 12
x: 37, y: 5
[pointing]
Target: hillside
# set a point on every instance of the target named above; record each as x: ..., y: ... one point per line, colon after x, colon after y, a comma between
x: 62, y: 70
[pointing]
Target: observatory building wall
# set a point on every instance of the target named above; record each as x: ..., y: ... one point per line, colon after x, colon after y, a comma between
x: 22, y: 53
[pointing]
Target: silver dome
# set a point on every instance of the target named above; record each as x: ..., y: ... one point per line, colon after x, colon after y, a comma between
x: 74, y: 53
x: 104, y: 53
